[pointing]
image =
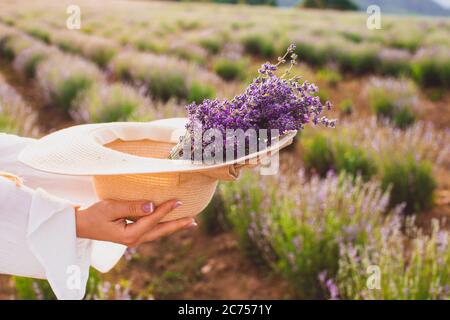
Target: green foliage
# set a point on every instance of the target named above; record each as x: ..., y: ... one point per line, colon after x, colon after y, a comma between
x: 353, y: 160
x: 297, y: 229
x: 9, y: 21
x: 168, y: 284
x: 226, y: 1
x: 317, y: 153
x: 261, y: 2
x: 68, y: 90
x: 393, y: 103
x: 346, y: 106
x: 382, y: 104
x: 62, y: 86
x: 313, y: 254
x: 432, y: 71
x: 412, y: 265
x: 188, y: 25
x: 411, y: 182
x: 404, y: 118
x: 323, y: 94
x: 399, y: 158
x: 259, y: 45
x: 103, y: 55
x: 250, y: 2
x: 352, y: 36
x: 332, y: 78
x: 322, y: 153
x: 15, y: 115
x: 4, y: 47
x: 144, y: 44
x: 93, y: 284
x: 165, y: 85
x: 199, y: 92
x: 189, y: 53
x: 400, y: 67
x: 308, y: 51
x: 12, y: 45
x: 213, y: 219
x: 32, y: 63
x: 96, y: 288
x: 330, y: 4
x: 123, y: 72
x: 426, y: 73
x: 436, y: 94
x: 358, y: 59
x: 40, y: 34
x: 213, y: 45
x: 33, y: 289
x: 7, y: 124
x: 404, y: 40
x: 110, y: 103
x: 68, y: 46
x: 241, y: 207
x: 230, y: 70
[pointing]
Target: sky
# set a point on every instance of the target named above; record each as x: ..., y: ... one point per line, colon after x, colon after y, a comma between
x: 444, y: 3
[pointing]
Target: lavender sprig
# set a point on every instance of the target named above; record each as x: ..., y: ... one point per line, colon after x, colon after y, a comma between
x: 269, y: 102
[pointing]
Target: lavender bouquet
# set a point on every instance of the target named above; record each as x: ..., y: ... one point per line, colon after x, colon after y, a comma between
x: 270, y: 102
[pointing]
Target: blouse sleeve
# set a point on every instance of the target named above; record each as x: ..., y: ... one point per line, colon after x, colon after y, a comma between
x: 37, y: 239
x: 37, y: 226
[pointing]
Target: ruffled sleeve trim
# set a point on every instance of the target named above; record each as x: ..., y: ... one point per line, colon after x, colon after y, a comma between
x: 51, y: 236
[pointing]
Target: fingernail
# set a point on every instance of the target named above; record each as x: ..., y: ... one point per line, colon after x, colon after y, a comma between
x: 148, y: 207
x: 193, y: 224
x: 177, y: 204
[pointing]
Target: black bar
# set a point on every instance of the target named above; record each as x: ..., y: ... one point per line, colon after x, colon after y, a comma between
x: 228, y: 309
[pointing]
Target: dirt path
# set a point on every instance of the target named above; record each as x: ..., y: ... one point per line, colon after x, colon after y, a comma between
x: 190, y: 265
x: 6, y: 290
x: 193, y: 265
x: 441, y: 208
x: 49, y: 118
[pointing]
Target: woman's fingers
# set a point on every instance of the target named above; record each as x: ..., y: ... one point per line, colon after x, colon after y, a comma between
x: 167, y: 228
x: 124, y: 209
x: 134, y: 231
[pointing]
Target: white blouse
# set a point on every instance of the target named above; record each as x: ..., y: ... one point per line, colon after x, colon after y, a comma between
x: 37, y: 225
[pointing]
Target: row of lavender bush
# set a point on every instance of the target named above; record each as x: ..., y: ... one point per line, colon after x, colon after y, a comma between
x: 160, y: 76
x: 71, y: 83
x: 417, y: 53
x: 16, y: 116
x: 403, y: 160
x: 326, y: 236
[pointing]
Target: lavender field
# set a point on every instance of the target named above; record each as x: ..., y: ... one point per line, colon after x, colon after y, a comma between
x: 371, y: 194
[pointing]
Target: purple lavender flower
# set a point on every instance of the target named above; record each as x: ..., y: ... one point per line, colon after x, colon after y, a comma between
x: 332, y: 289
x: 130, y: 253
x: 269, y: 102
x: 322, y: 276
x: 37, y: 291
x: 329, y: 284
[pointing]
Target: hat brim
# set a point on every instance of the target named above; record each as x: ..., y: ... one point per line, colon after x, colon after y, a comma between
x: 80, y: 150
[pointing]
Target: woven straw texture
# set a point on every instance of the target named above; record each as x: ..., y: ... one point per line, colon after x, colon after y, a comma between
x: 129, y: 161
x: 194, y: 189
x: 80, y: 150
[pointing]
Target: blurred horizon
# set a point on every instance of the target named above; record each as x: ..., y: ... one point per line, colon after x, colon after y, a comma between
x: 405, y: 7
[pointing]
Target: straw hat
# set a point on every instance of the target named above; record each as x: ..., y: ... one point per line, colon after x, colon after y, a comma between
x: 128, y: 161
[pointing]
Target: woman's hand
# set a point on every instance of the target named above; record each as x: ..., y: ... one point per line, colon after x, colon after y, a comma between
x: 106, y: 220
